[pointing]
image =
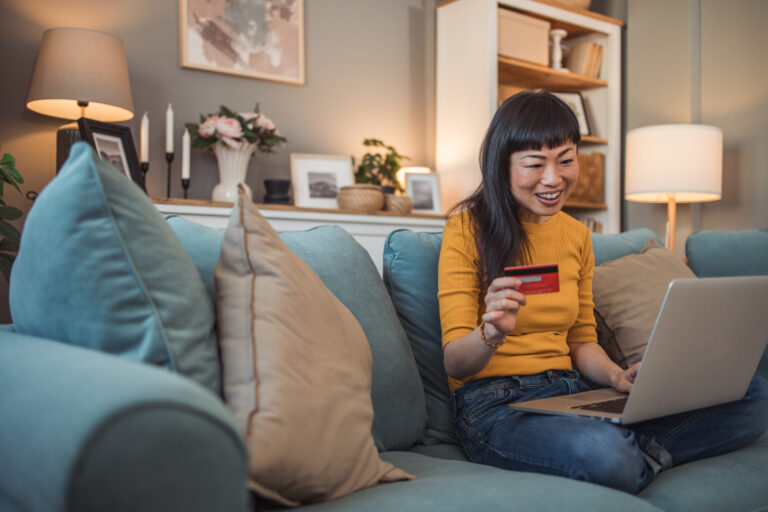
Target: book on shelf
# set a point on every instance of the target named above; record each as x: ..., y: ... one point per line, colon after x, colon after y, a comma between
x: 584, y: 58
x: 593, y: 225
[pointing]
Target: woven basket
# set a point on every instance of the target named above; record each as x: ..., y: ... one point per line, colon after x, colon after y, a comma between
x: 360, y: 198
x: 401, y: 205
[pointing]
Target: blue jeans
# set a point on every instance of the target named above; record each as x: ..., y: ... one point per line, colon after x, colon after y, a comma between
x: 623, y: 457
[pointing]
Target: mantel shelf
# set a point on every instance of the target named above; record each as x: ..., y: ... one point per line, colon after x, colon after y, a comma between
x: 528, y: 75
x: 578, y: 205
x: 591, y: 139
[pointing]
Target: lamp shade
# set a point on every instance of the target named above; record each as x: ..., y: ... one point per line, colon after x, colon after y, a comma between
x: 77, y: 67
x: 683, y: 162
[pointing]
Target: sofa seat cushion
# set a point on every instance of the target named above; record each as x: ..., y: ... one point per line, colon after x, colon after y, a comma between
x: 456, y: 486
x: 728, y: 253
x: 736, y: 481
x: 346, y: 269
x: 99, y: 267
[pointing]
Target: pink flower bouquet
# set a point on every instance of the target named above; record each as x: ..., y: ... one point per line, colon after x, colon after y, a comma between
x: 236, y: 129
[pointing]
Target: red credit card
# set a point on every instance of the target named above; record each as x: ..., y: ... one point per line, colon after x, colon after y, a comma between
x: 536, y: 278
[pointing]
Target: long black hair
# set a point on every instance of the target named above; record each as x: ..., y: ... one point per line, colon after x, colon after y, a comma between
x: 529, y: 120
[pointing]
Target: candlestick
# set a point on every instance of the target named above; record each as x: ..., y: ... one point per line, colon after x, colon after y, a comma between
x: 169, y: 129
x: 169, y: 159
x: 144, y: 166
x: 185, y: 184
x: 185, y: 146
x: 144, y: 138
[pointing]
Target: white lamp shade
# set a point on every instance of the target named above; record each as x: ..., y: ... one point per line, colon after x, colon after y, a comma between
x: 683, y: 162
x: 76, y: 64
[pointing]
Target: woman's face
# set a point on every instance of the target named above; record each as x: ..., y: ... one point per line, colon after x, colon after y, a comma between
x: 541, y: 180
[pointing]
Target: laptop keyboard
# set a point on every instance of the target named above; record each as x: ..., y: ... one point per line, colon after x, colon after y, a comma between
x: 615, y: 405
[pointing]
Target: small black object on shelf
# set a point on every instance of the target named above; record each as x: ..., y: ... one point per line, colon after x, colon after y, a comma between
x: 185, y: 184
x: 169, y: 159
x: 278, y: 191
x: 144, y: 166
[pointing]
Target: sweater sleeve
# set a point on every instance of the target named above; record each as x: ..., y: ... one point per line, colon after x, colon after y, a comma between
x: 458, y: 285
x: 584, y: 329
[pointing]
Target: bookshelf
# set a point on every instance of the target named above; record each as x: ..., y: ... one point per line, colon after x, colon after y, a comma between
x: 473, y: 80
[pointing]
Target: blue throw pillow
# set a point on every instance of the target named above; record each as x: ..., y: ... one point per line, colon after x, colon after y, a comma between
x: 100, y: 268
x: 728, y: 253
x: 410, y: 274
x: 614, y: 246
x: 347, y: 270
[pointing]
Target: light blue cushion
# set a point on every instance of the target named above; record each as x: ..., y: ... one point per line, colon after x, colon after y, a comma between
x: 348, y: 272
x: 728, y: 253
x: 457, y: 486
x: 736, y: 481
x: 410, y: 274
x: 99, y: 267
x: 614, y: 246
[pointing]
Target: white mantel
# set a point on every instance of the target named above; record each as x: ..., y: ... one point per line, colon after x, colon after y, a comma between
x: 370, y: 229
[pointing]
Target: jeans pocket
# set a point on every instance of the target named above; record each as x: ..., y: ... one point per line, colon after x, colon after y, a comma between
x: 470, y: 410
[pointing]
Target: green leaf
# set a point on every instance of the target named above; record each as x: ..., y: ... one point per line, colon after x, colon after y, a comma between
x: 9, y: 232
x: 7, y: 180
x: 10, y: 213
x: 5, y: 267
x: 8, y: 160
x: 9, y: 245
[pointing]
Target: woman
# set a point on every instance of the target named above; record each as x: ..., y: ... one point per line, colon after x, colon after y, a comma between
x: 501, y: 347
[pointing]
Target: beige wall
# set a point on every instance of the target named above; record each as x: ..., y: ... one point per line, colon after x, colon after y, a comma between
x: 728, y: 89
x: 369, y: 73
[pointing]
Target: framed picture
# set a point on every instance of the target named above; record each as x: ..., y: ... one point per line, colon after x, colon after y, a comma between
x: 253, y: 38
x: 424, y: 191
x: 318, y: 178
x: 114, y: 144
x: 576, y: 101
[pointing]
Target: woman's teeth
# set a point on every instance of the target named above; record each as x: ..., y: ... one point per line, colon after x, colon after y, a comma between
x: 549, y: 196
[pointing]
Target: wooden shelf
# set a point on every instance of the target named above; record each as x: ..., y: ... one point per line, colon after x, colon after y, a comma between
x: 586, y: 206
x: 591, y: 139
x: 528, y: 75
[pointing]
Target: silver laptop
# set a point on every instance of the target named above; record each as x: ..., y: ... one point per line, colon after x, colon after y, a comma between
x: 704, y: 349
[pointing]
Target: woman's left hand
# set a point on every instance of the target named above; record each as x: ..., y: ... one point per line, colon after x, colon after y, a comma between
x: 623, y: 380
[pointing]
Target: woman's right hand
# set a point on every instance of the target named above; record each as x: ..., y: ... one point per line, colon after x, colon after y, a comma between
x: 502, y: 303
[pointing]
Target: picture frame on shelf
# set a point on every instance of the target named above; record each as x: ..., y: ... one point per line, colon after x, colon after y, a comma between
x: 576, y: 101
x: 424, y: 190
x: 114, y: 144
x: 241, y: 37
x: 317, y: 179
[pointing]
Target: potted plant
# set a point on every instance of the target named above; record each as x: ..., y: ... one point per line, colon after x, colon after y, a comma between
x: 234, y: 137
x: 379, y: 169
x: 9, y: 244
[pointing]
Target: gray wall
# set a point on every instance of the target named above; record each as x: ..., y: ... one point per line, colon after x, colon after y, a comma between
x: 703, y: 61
x: 369, y: 73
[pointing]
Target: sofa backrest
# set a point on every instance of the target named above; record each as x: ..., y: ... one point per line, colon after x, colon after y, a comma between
x: 728, y: 253
x: 346, y: 269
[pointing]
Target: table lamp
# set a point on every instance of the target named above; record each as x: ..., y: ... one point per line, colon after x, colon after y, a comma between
x: 80, y: 73
x: 674, y: 163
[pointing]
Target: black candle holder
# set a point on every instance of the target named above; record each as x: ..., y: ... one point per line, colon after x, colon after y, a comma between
x: 169, y: 159
x: 185, y: 184
x: 144, y: 166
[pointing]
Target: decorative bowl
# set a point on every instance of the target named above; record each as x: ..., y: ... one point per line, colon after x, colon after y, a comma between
x: 360, y: 197
x: 401, y: 205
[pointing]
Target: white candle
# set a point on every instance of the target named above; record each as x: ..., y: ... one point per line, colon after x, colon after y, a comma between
x: 185, y: 155
x: 169, y: 129
x: 144, y: 138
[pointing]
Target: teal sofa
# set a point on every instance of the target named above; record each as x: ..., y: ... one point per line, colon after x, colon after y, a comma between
x: 81, y: 430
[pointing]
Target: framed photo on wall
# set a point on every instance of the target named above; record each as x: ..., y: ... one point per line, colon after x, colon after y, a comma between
x: 424, y: 190
x: 317, y: 179
x: 257, y: 39
x: 576, y: 101
x: 114, y: 144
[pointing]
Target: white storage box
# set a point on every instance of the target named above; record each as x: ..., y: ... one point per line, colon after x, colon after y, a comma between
x: 523, y: 37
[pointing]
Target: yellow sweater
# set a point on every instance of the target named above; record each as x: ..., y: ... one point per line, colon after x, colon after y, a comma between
x: 547, y: 322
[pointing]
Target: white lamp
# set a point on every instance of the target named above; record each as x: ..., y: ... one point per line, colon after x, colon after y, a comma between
x: 80, y: 73
x: 674, y: 163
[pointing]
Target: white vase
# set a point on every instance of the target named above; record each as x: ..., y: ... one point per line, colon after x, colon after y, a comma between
x: 233, y: 166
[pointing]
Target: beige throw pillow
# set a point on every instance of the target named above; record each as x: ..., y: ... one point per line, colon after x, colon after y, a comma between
x: 296, y: 370
x: 628, y: 293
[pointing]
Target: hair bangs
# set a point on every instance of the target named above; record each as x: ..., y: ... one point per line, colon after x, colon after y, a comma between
x: 543, y: 121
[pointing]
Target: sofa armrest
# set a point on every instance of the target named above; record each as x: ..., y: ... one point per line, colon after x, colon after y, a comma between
x: 83, y: 430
